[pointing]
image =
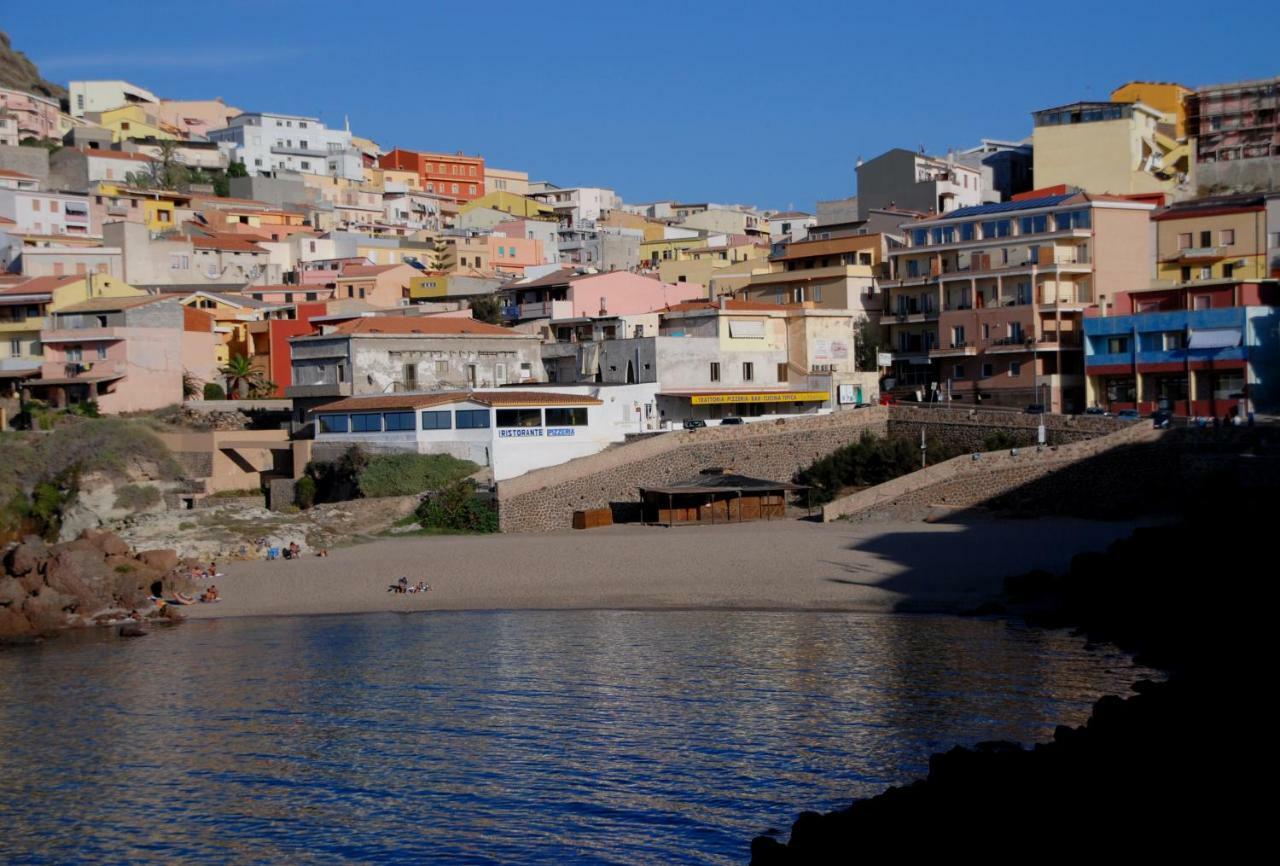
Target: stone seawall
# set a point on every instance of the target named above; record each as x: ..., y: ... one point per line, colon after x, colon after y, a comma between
x: 965, y: 429
x: 995, y: 478
x: 545, y: 499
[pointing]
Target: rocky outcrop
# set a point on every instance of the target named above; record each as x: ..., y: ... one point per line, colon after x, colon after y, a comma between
x: 91, y: 580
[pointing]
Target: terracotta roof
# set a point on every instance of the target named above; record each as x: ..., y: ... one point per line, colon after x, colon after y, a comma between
x: 106, y: 304
x: 486, y: 398
x: 5, y: 172
x: 39, y: 285
x: 426, y: 325
x: 117, y: 154
x: 790, y: 214
x: 366, y: 270
x: 809, y: 248
x: 730, y: 305
x: 555, y: 278
x: 225, y: 242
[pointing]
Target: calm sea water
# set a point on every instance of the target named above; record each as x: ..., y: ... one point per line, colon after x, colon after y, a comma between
x: 523, y: 737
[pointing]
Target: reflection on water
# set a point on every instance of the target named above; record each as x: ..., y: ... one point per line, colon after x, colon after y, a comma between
x: 620, y: 737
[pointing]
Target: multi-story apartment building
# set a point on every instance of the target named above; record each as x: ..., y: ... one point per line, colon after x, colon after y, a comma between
x: 9, y: 135
x: 986, y: 304
x: 1237, y: 131
x: 34, y: 116
x: 87, y: 96
x: 289, y: 142
x: 579, y: 206
x: 25, y: 307
x: 1108, y: 147
x: 42, y: 212
x: 907, y: 180
x: 455, y: 176
x: 835, y: 274
x: 1219, y: 238
x: 1195, y: 349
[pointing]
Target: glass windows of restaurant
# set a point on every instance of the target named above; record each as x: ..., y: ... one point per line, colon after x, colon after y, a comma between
x: 436, y: 420
x: 1120, y: 389
x: 333, y: 423
x: 472, y: 419
x: 366, y: 423
x: 394, y: 422
x: 519, y: 417
x: 573, y: 416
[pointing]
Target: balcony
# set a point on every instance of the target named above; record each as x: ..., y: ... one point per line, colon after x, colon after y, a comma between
x: 14, y: 326
x: 955, y: 350
x: 303, y: 151
x: 546, y: 310
x: 1191, y: 254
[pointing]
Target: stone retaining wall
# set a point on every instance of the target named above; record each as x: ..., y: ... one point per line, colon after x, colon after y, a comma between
x: 545, y: 499
x: 965, y: 429
x: 994, y: 479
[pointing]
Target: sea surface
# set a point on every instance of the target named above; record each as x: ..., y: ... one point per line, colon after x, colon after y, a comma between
x: 508, y: 737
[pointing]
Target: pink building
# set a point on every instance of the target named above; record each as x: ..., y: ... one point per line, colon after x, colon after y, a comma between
x: 37, y: 116
x: 567, y: 294
x: 128, y: 354
x: 513, y: 255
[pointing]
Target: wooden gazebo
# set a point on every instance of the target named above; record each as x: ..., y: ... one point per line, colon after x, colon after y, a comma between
x: 716, y: 496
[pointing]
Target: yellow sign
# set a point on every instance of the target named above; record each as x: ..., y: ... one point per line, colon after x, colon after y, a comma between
x: 786, y: 397
x: 436, y: 286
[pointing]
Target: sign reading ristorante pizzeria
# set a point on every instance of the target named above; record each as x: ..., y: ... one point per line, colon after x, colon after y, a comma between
x: 761, y: 397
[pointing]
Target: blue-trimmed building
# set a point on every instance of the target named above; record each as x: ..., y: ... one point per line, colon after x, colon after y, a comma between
x: 1195, y: 349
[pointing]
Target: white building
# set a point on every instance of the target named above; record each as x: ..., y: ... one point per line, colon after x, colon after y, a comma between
x: 86, y: 96
x: 790, y: 226
x: 288, y: 142
x: 45, y: 213
x: 511, y: 431
x: 575, y: 204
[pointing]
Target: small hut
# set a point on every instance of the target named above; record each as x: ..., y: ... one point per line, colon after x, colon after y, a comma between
x: 716, y: 496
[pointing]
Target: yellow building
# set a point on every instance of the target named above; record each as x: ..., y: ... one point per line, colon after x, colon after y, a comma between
x: 509, y: 202
x: 429, y: 287
x: 1218, y: 238
x: 1108, y: 147
x: 653, y: 229
x: 162, y: 210
x: 132, y: 121
x: 1167, y: 98
x: 25, y: 307
x: 705, y: 264
x: 654, y: 252
x: 231, y: 317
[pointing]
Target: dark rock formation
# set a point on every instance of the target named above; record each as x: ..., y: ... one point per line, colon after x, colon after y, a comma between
x: 92, y: 580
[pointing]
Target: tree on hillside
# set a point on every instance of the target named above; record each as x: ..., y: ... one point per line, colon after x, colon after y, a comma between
x: 438, y: 258
x: 487, y: 309
x: 165, y: 171
x: 243, y: 379
x: 867, y: 340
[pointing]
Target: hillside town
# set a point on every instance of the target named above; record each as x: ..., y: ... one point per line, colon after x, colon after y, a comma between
x: 1121, y: 259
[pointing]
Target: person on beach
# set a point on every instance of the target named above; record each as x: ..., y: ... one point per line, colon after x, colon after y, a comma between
x: 210, y: 594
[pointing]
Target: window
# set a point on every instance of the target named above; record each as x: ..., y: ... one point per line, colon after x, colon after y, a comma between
x: 1075, y: 219
x: 957, y: 335
x: 442, y: 420
x: 469, y: 419
x: 987, y: 371
x: 986, y: 331
x: 1031, y: 225
x: 454, y: 188
x: 575, y: 416
x: 368, y: 423
x: 471, y: 189
x: 957, y: 372
x: 715, y: 371
x: 967, y: 232
x: 102, y: 352
x: 782, y: 372
x: 1202, y: 302
x: 1184, y: 241
x: 1174, y: 340
x: 1117, y: 345
x: 1227, y: 237
x: 74, y: 354
x: 919, y: 237
x: 1206, y: 238
x: 1206, y: 273
x: 333, y: 423
x: 748, y: 371
x: 1015, y: 368
x: 15, y: 347
x: 519, y: 417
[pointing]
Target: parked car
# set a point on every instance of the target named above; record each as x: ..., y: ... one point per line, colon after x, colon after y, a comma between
x: 1160, y: 418
x: 1035, y: 409
x: 1097, y: 410
x: 1128, y: 415
x: 731, y: 419
x: 694, y: 423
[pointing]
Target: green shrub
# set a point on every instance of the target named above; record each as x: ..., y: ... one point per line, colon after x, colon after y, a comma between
x: 456, y: 507
x: 304, y: 492
x: 213, y: 391
x: 408, y: 474
x: 87, y: 409
x: 136, y: 497
x: 868, y: 462
x: 1003, y: 440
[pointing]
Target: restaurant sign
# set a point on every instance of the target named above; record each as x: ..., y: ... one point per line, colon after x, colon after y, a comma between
x: 776, y: 397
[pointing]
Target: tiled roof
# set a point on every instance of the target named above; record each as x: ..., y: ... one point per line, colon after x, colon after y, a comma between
x: 486, y: 398
x: 790, y: 215
x: 5, y: 172
x: 233, y: 243
x: 39, y: 285
x: 731, y: 305
x: 95, y: 305
x: 427, y: 325
x: 349, y: 271
x: 116, y: 154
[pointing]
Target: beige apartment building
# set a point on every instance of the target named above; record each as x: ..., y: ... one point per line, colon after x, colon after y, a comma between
x: 986, y: 305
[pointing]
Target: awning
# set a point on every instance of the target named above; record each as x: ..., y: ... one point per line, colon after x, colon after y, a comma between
x: 725, y: 397
x: 1214, y: 338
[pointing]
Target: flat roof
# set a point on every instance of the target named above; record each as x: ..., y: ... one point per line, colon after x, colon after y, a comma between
x: 496, y: 399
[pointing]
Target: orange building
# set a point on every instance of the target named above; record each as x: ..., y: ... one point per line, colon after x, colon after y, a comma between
x: 454, y: 175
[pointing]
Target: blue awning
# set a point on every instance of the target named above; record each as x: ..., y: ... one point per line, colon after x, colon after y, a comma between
x: 1214, y: 338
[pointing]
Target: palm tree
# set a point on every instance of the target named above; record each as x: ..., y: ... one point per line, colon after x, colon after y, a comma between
x: 191, y: 386
x: 242, y: 377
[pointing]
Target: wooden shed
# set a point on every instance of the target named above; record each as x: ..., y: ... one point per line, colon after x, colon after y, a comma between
x: 716, y: 496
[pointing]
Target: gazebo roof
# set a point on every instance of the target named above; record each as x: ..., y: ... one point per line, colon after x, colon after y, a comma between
x: 723, y: 483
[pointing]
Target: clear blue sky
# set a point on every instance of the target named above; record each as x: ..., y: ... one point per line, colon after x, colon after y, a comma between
x: 764, y: 103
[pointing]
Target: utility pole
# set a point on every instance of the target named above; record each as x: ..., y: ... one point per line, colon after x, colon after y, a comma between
x: 922, y: 448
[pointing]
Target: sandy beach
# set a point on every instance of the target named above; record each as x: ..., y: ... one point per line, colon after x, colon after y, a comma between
x: 779, y: 565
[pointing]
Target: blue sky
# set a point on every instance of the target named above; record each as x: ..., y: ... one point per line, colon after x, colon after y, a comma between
x: 764, y: 103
